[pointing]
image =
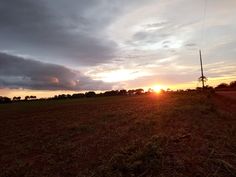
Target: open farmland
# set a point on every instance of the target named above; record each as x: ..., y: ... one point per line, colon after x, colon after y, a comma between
x: 229, y: 94
x: 154, y: 135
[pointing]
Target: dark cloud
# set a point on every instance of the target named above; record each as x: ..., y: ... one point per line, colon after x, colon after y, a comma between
x: 67, y: 31
x: 18, y: 72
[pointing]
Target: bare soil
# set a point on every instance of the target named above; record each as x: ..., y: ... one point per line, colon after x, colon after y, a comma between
x: 196, y: 136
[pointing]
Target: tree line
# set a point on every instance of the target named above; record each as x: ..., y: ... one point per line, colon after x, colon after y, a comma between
x: 224, y: 86
x: 123, y: 92
x: 89, y: 94
x: 16, y: 98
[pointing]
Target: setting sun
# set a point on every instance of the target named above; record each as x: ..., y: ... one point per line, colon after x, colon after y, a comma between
x: 158, y: 88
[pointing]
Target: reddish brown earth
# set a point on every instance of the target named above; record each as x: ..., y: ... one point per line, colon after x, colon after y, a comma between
x: 226, y: 100
x: 79, y: 137
x: 228, y: 94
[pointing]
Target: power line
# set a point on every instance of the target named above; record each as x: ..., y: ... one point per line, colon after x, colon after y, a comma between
x: 203, y: 26
x: 202, y: 78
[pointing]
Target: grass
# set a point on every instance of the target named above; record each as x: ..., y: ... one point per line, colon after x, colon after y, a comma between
x: 135, y: 160
x: 155, y: 135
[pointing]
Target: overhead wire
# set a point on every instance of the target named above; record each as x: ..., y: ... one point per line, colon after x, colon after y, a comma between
x: 202, y: 44
x: 203, y: 26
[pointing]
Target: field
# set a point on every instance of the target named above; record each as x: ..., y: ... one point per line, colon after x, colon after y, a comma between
x: 229, y: 94
x: 166, y: 135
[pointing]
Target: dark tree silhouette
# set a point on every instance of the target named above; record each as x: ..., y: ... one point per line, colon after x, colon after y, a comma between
x: 111, y: 93
x: 222, y: 86
x: 131, y: 92
x: 62, y: 96
x: 123, y: 92
x: 139, y: 91
x: 5, y: 99
x: 232, y: 84
x: 15, y: 98
x: 27, y: 97
x: 32, y: 97
x: 90, y: 94
x: 78, y: 95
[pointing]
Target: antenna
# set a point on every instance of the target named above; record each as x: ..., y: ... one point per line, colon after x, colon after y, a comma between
x: 202, y: 78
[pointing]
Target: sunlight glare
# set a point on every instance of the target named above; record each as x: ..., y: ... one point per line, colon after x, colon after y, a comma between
x: 157, y: 88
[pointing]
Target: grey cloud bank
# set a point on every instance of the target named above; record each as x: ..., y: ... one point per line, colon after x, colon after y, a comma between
x: 61, y: 31
x: 17, y: 72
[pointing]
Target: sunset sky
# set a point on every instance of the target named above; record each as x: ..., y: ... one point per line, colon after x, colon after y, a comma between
x: 49, y: 47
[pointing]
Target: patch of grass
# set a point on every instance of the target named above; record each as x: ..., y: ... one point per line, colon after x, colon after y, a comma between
x: 135, y: 160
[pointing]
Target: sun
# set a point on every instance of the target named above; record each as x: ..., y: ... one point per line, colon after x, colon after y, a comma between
x: 157, y: 88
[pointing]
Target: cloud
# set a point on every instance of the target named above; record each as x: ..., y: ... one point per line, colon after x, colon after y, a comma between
x: 156, y: 25
x: 100, y: 38
x: 190, y: 45
x: 61, y: 31
x: 17, y: 72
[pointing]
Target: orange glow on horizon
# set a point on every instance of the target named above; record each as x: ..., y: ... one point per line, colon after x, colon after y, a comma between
x: 212, y: 81
x: 158, y: 88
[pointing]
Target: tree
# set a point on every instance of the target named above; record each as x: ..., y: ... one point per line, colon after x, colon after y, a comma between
x: 5, y: 99
x: 62, y: 96
x: 232, y: 84
x: 139, y: 91
x: 90, y: 94
x: 222, y: 86
x: 27, y: 97
x: 131, y: 92
x: 78, y: 95
x: 32, y: 97
x: 111, y: 93
x: 16, y: 98
x: 123, y: 92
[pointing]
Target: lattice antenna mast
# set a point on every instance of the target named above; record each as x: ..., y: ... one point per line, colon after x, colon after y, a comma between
x: 202, y: 78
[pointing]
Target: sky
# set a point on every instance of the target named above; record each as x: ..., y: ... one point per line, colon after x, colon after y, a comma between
x: 67, y: 46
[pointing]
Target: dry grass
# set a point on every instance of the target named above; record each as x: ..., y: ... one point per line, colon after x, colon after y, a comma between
x: 165, y: 135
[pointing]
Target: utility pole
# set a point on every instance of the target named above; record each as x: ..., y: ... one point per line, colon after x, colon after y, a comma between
x: 202, y: 78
